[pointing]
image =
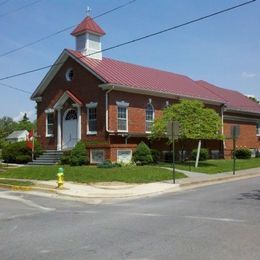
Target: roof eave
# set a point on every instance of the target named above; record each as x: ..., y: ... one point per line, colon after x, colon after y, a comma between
x: 237, y: 110
x: 129, y: 89
x: 49, y: 76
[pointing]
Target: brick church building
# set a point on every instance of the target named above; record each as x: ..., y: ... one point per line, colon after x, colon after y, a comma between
x: 111, y: 105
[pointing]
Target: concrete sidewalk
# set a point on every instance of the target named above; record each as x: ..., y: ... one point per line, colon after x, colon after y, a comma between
x: 122, y: 190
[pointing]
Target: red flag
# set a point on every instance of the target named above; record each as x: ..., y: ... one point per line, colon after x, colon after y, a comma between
x: 29, y: 140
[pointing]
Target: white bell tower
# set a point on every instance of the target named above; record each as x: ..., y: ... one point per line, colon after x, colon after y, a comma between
x: 88, y: 36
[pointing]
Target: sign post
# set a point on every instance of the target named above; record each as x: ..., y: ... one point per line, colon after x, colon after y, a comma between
x: 173, y: 129
x: 235, y: 132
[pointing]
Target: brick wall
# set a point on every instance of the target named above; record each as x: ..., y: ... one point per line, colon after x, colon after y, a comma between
x: 85, y: 87
x: 247, y: 136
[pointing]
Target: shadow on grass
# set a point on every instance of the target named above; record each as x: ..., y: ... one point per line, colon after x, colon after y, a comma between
x: 255, y: 195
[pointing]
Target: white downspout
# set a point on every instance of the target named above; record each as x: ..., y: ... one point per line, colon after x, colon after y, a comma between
x: 107, y: 110
x: 222, y: 127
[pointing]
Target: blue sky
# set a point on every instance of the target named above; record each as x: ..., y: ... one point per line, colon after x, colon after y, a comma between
x: 224, y: 50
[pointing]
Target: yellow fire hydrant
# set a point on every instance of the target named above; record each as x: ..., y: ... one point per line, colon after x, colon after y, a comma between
x: 60, y: 177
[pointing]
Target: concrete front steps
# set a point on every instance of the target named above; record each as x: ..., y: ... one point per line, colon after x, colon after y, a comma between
x: 49, y: 157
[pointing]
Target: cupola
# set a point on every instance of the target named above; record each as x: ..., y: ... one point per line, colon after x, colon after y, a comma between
x: 88, y: 38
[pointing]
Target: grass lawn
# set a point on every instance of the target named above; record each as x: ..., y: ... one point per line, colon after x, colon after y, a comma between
x: 217, y: 166
x: 17, y: 183
x: 90, y: 174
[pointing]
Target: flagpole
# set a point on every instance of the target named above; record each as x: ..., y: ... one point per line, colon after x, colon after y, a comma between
x: 32, y: 144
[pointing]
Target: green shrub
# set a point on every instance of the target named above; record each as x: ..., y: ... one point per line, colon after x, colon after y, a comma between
x: 14, y: 152
x: 37, y: 149
x: 155, y: 155
x: 78, y: 155
x: 204, y: 154
x: 65, y: 158
x: 11, y: 151
x: 243, y: 153
x: 142, y: 154
x: 23, y: 159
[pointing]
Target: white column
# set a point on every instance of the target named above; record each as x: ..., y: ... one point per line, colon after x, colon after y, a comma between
x: 79, y: 123
x: 59, y: 129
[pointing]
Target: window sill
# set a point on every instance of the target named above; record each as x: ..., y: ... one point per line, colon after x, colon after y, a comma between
x: 258, y: 135
x: 122, y: 131
x: 92, y: 133
x: 49, y: 136
x: 148, y: 132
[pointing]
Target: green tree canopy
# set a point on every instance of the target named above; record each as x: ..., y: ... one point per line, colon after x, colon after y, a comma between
x: 24, y: 124
x: 196, y: 121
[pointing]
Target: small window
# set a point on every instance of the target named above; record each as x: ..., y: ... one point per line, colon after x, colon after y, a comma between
x: 97, y: 156
x: 124, y: 156
x: 71, y: 115
x: 69, y: 74
x: 149, y: 118
x: 122, y: 118
x: 258, y: 128
x: 49, y: 124
x: 92, y: 120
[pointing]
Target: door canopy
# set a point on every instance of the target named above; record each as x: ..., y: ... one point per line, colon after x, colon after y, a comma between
x: 66, y: 95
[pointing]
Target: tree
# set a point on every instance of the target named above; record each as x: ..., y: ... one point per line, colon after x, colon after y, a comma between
x: 25, y: 124
x: 254, y: 99
x: 7, y: 126
x: 196, y: 121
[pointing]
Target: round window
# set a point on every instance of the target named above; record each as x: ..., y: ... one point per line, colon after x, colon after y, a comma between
x: 69, y: 74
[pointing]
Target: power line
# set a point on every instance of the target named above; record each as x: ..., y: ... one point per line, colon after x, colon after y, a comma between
x: 136, y: 40
x: 19, y: 8
x: 65, y: 29
x: 14, y: 88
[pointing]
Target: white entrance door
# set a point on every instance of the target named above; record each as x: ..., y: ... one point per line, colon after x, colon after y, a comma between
x: 70, y: 123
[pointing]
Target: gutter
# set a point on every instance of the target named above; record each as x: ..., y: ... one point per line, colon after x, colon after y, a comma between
x: 156, y: 93
x: 107, y: 111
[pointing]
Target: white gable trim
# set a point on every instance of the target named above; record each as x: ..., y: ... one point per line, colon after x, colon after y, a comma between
x: 49, y: 76
x: 85, y: 66
x: 61, y: 101
x: 54, y: 70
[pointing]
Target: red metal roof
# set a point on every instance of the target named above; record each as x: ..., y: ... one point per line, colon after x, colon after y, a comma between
x: 145, y: 78
x: 233, y: 99
x: 76, y: 100
x: 88, y: 25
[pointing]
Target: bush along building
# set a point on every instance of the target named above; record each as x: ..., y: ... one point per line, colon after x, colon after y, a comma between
x: 111, y: 105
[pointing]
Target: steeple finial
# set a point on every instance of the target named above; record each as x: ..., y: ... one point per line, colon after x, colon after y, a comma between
x: 88, y: 11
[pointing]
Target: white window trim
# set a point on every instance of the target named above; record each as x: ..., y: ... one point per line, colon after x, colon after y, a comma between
x: 91, y: 157
x: 47, y: 112
x: 88, y: 106
x: 123, y: 150
x: 258, y: 129
x: 151, y: 121
x: 123, y: 131
x: 125, y: 105
x: 68, y: 79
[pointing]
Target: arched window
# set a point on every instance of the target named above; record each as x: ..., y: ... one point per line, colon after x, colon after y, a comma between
x: 149, y: 118
x: 71, y: 115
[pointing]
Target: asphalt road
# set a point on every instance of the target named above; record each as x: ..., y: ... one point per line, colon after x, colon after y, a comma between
x: 215, y: 222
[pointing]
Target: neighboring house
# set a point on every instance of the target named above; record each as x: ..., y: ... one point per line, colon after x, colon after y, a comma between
x: 112, y: 104
x: 17, y: 136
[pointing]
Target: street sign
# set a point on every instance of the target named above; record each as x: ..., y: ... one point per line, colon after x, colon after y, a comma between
x: 235, y: 131
x: 173, y: 129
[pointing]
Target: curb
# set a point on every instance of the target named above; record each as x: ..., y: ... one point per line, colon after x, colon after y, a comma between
x: 220, y: 179
x: 122, y: 196
x: 26, y: 188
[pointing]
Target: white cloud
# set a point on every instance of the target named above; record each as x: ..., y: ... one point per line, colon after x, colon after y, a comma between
x: 247, y: 75
x: 30, y: 115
